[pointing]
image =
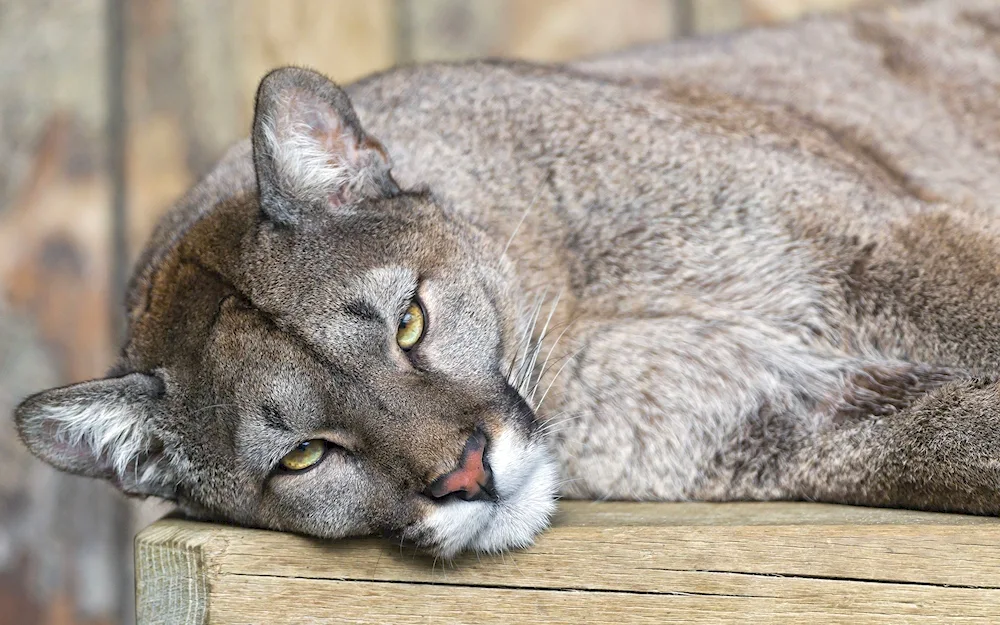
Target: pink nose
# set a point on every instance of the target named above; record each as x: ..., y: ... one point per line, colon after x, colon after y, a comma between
x: 472, y: 480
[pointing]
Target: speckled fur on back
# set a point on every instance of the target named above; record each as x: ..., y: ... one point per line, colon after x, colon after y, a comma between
x: 757, y: 266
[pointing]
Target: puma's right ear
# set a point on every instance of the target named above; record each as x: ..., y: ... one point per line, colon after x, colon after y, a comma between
x: 100, y: 429
x: 309, y: 148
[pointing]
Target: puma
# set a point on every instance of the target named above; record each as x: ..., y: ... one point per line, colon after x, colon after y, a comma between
x: 752, y: 267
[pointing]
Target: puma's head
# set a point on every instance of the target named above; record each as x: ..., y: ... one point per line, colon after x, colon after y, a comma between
x: 313, y: 349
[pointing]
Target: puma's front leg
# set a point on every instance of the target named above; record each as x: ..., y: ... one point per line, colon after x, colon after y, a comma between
x: 942, y: 452
x: 650, y: 409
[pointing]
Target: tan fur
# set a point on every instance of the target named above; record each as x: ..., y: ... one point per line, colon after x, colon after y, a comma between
x: 757, y: 266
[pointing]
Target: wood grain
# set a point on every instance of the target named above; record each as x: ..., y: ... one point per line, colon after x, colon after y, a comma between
x: 601, y: 562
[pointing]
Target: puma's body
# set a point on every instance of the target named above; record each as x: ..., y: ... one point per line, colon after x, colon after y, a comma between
x: 780, y: 228
x: 753, y: 267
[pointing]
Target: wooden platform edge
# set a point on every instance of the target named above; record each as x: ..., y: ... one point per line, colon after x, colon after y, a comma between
x: 171, y: 581
x: 608, y: 562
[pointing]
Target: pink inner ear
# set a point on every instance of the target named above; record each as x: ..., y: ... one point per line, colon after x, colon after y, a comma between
x: 338, y: 142
x: 324, y: 126
x: 308, y: 117
x: 79, y: 455
x: 319, y: 152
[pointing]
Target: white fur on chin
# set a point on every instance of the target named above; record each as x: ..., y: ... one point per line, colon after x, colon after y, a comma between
x: 526, y: 481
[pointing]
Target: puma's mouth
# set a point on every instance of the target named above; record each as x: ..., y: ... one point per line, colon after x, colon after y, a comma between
x: 525, y: 478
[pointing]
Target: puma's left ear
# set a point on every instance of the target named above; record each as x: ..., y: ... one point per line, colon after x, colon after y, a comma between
x: 309, y: 148
x: 100, y: 429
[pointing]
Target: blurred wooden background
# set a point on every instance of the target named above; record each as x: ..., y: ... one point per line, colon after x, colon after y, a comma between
x: 109, y: 110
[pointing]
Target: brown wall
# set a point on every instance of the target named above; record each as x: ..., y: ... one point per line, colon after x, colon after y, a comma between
x: 73, y: 168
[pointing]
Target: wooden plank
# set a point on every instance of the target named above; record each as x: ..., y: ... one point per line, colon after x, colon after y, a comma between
x: 600, y: 561
x: 333, y: 601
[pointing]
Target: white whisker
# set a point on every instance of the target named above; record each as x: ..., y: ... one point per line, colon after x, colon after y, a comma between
x: 548, y: 356
x: 550, y: 429
x: 519, y: 385
x: 517, y: 350
x: 566, y: 481
x: 551, y: 424
x: 556, y: 376
x: 523, y: 216
x: 538, y: 344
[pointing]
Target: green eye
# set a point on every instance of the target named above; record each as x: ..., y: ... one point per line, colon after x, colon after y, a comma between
x: 411, y: 326
x: 307, y: 454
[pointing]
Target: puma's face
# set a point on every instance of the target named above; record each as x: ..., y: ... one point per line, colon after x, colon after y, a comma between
x: 319, y: 352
